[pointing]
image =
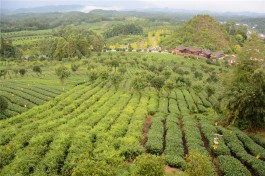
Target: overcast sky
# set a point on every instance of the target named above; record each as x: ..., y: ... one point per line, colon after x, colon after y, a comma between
x: 213, y: 5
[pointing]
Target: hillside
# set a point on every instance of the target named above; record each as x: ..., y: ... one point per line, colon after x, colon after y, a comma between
x: 100, y: 126
x: 201, y: 31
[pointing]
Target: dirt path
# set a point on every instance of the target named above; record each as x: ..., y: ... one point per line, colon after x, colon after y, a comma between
x: 172, y: 171
x: 164, y: 134
x: 183, y: 137
x: 146, y: 129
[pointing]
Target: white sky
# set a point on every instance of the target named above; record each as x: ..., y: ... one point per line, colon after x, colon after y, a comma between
x: 212, y: 5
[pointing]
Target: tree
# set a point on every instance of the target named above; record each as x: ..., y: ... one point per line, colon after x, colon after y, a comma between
x: 169, y: 86
x: 148, y: 165
x: 122, y: 70
x: 98, y: 54
x: 63, y: 73
x: 22, y: 71
x: 157, y: 82
x: 93, y: 75
x: 130, y: 48
x: 74, y: 67
x: 198, y: 75
x: 198, y: 86
x: 116, y: 79
x: 37, y: 69
x: 138, y: 83
x: 114, y: 63
x: 3, y: 73
x: 210, y: 90
x: 244, y: 98
x: 7, y: 49
x: 3, y: 104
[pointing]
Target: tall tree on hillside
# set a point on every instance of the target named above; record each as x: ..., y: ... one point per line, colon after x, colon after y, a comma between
x: 244, y: 96
x: 8, y: 50
x: 62, y: 72
x: 158, y: 82
x: 60, y: 52
x: 138, y: 83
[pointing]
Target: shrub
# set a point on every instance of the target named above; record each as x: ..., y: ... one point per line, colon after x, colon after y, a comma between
x: 103, y: 163
x: 74, y: 67
x: 198, y: 164
x: 62, y: 72
x: 3, y: 104
x: 148, y: 165
x: 22, y: 71
x: 129, y: 148
x: 230, y: 166
x: 37, y: 69
x: 93, y: 75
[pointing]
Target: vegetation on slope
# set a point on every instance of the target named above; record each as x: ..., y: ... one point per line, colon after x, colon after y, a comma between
x: 201, y: 31
x: 244, y: 98
x: 126, y: 29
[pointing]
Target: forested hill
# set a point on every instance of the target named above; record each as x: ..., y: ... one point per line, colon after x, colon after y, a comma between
x: 201, y: 31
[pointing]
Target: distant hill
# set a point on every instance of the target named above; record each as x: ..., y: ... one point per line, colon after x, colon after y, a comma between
x: 50, y: 8
x: 202, y: 31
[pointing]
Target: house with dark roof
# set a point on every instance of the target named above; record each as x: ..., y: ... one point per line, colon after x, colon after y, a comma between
x: 218, y: 55
x: 206, y: 53
x: 191, y: 50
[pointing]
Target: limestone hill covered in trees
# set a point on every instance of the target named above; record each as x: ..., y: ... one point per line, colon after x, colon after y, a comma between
x: 202, y: 31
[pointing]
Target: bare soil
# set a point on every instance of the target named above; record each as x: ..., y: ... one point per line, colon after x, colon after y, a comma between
x: 171, y: 170
x: 146, y: 129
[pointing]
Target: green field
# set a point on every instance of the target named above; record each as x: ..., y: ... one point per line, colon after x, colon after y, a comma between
x: 93, y: 126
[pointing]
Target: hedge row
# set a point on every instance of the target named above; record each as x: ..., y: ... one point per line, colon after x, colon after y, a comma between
x: 130, y: 144
x: 153, y: 104
x: 230, y: 166
x: 189, y: 101
x: 237, y: 147
x: 182, y: 103
x: 193, y: 138
x: 163, y: 105
x: 174, y: 150
x: 258, y: 140
x: 254, y: 148
x: 209, y: 131
x: 65, y: 127
x: 197, y: 101
x: 154, y: 144
x: 30, y: 91
x: 120, y: 129
x: 24, y: 95
x: 25, y: 132
x: 25, y: 160
x: 173, y: 107
x: 205, y: 102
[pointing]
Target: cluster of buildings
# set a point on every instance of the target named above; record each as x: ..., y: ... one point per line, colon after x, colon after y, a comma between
x: 194, y: 51
x: 185, y: 51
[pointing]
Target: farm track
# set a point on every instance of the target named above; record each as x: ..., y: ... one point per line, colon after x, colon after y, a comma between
x: 186, y: 151
x: 146, y: 129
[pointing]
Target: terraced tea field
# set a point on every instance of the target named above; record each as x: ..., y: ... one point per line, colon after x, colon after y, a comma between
x: 99, y: 126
